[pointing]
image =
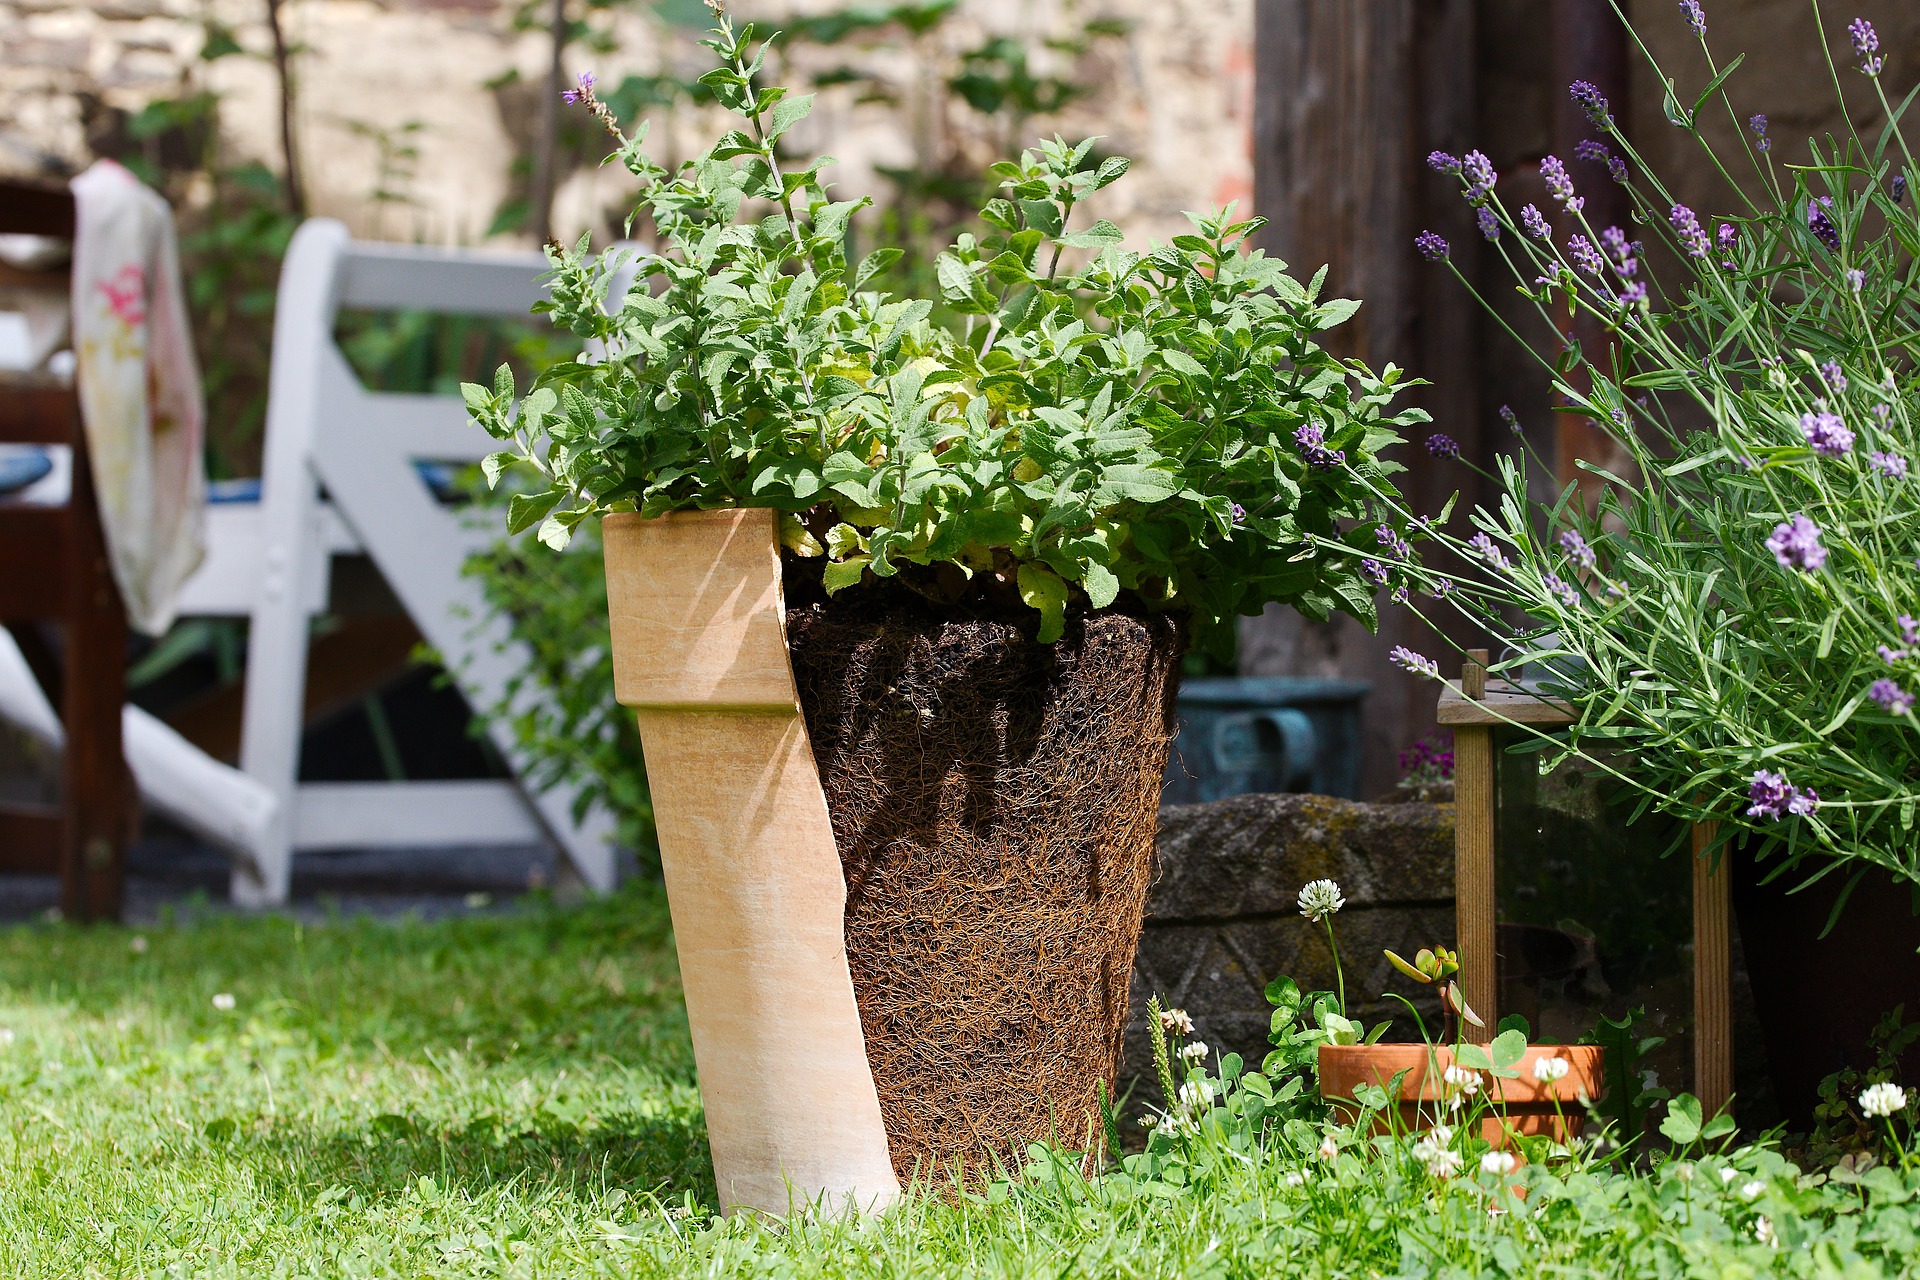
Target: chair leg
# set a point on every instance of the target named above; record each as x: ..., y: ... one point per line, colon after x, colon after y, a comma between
x: 98, y: 794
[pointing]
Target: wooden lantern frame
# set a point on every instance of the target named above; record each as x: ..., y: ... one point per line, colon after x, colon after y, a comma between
x: 1473, y: 707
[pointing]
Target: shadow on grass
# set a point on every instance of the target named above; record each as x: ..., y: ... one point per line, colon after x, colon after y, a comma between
x: 665, y: 1153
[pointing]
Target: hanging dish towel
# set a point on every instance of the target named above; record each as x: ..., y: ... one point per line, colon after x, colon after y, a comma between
x: 139, y: 390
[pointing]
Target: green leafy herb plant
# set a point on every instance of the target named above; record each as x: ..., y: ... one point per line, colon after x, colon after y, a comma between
x: 1097, y: 421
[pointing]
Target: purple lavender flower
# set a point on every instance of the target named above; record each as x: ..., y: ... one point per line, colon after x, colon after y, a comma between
x: 1821, y: 225
x: 1560, y: 185
x: 1891, y: 656
x: 1856, y: 279
x: 1584, y: 255
x: 1392, y: 541
x: 1795, y: 544
x: 1478, y: 171
x: 1238, y: 512
x: 1441, y: 162
x: 1891, y: 464
x: 582, y: 92
x: 1909, y: 629
x: 1432, y: 247
x: 1634, y: 294
x: 1729, y: 236
x: 1442, y: 588
x: 1588, y: 149
x: 1442, y: 445
x: 1512, y: 419
x: 1899, y: 188
x: 1890, y: 696
x: 1375, y: 570
x: 1489, y: 224
x: 1312, y: 439
x: 1771, y: 796
x: 1696, y: 16
x: 1761, y: 142
x: 1535, y: 225
x: 1400, y: 594
x: 1617, y: 169
x: 1408, y: 660
x: 1577, y: 549
x: 1826, y: 433
x: 1558, y: 587
x: 1589, y: 97
x: 1835, y: 376
x: 1489, y: 550
x: 1686, y: 225
x: 1866, y: 45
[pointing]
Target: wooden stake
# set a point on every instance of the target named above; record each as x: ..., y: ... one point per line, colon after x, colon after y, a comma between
x: 1473, y: 849
x: 1712, y: 976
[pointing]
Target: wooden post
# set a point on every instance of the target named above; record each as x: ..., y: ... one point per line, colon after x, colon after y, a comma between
x: 1712, y: 969
x: 1473, y: 846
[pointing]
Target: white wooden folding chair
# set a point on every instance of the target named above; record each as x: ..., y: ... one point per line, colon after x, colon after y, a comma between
x: 340, y: 477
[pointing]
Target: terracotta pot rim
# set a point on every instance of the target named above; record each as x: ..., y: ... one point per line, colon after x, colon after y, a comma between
x: 1344, y: 1067
x: 690, y: 515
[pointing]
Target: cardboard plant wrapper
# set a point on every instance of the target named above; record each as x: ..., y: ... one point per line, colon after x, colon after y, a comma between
x: 752, y: 872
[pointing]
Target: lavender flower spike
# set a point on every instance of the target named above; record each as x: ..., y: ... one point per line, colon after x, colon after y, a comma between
x: 1693, y: 237
x: 1826, y: 433
x: 1432, y: 247
x: 1866, y: 44
x: 1761, y: 142
x: 1560, y: 185
x: 1408, y: 660
x: 1821, y: 225
x: 1577, y: 549
x: 1442, y: 445
x: 1441, y: 162
x: 1591, y: 100
x: 1489, y: 223
x: 1696, y: 16
x: 1771, y: 796
x: 583, y: 92
x: 1512, y: 419
x: 1891, y: 464
x: 1584, y: 255
x: 1795, y: 544
x: 1479, y: 174
x: 1890, y: 696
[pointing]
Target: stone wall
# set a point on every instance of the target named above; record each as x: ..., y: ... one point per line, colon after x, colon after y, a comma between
x: 453, y: 79
x: 1222, y: 918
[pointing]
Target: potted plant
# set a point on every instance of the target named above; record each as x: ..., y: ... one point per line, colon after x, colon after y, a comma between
x: 1513, y: 1089
x: 899, y: 587
x: 1735, y: 607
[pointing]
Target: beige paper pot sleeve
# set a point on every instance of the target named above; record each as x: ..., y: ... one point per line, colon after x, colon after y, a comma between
x: 752, y: 873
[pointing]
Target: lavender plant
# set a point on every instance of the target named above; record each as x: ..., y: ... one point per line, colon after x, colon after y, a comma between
x: 1739, y: 607
x: 1096, y: 420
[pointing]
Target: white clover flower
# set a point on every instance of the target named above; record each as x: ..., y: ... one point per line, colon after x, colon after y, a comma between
x: 138, y: 944
x: 1461, y: 1078
x: 1320, y: 899
x: 1442, y: 1163
x: 1683, y: 1171
x: 1548, y: 1070
x: 1882, y: 1100
x: 1728, y: 1175
x: 1148, y: 1122
x: 1442, y: 1134
x: 223, y: 1001
x: 1329, y: 1148
x: 1176, y: 1021
x: 1295, y: 1179
x: 1763, y: 1232
x: 1195, y: 1051
x: 1196, y: 1093
x: 1752, y: 1190
x: 1498, y: 1163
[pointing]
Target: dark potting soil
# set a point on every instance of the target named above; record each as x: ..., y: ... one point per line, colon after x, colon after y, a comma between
x: 994, y: 802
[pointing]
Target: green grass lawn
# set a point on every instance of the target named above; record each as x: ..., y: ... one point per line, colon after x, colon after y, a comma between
x: 513, y: 1095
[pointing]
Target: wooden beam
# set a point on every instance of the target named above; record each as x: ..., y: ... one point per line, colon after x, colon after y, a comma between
x: 1475, y: 903
x: 1712, y: 975
x: 1500, y: 702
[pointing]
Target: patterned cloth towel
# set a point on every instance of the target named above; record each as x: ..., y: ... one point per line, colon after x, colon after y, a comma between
x: 139, y: 390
